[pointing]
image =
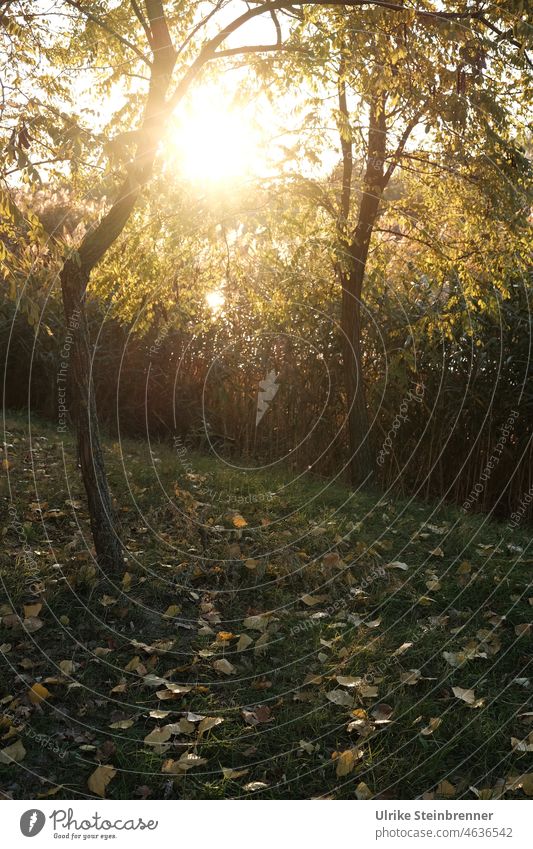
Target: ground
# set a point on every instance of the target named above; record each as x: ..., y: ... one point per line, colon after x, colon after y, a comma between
x: 269, y: 638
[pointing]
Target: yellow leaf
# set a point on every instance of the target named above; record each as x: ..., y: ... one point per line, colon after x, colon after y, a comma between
x: 445, y: 788
x: 239, y: 521
x: 32, y: 609
x: 171, y: 611
x: 346, y: 761
x: 38, y: 694
x: 100, y: 778
x: 16, y: 752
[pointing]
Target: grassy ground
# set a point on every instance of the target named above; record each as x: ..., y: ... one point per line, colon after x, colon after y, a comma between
x: 336, y: 644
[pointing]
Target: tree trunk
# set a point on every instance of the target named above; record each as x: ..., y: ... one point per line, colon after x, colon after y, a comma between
x: 362, y: 464
x: 361, y: 456
x: 75, y: 278
x: 101, y: 513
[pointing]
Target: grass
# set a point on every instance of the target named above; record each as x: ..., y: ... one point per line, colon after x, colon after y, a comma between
x: 208, y: 547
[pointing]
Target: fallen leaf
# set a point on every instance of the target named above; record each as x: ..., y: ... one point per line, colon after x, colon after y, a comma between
x: 467, y: 696
x: 32, y: 624
x: 158, y: 736
x: 100, y: 778
x: 382, y: 712
x: 38, y: 694
x: 346, y: 761
x: 238, y: 521
x: 348, y: 681
x: 312, y: 600
x: 340, y: 697
x: 107, y: 601
x: 14, y: 753
x: 31, y: 610
x: 224, y: 666
x: 171, y: 611
x: 232, y: 774
x: 363, y: 791
x: 258, y: 622
x: 243, y: 642
x: 122, y: 724
x: 445, y: 788
x: 432, y: 726
x: 207, y: 723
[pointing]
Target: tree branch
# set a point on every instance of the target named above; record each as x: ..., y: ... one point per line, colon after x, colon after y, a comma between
x: 142, y: 20
x: 401, y: 145
x: 109, y: 30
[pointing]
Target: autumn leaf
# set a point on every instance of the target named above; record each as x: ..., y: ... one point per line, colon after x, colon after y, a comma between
x: 238, y: 521
x: 311, y: 600
x: 346, y: 761
x: 224, y: 666
x: 207, y: 723
x: 158, y: 736
x: 363, y: 791
x: 340, y: 697
x: 38, y: 694
x: 32, y: 624
x: 467, y: 696
x: 231, y: 774
x: 100, y: 778
x: 243, y: 642
x: 13, y: 753
x: 32, y: 610
x: 432, y: 726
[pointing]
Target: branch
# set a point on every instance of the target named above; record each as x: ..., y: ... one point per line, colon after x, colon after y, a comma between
x: 256, y: 48
x: 209, y: 50
x: 398, y: 233
x: 108, y: 29
x: 504, y: 36
x: 142, y: 20
x: 401, y: 145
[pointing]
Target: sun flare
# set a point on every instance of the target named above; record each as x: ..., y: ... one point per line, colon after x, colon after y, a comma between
x: 215, y: 301
x: 215, y: 140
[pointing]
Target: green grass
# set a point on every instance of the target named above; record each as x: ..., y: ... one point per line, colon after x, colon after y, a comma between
x: 177, y: 519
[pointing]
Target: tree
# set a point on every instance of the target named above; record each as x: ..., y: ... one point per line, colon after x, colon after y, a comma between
x: 132, y: 27
x: 397, y: 74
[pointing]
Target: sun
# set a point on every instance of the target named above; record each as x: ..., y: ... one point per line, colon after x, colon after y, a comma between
x: 215, y: 140
x: 215, y: 301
